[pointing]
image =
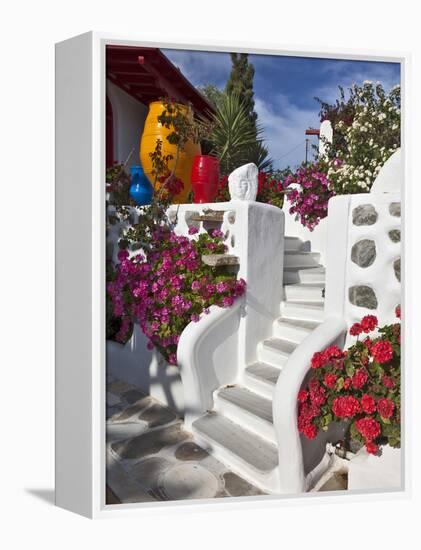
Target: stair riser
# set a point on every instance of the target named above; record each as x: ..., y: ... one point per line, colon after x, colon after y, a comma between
x: 308, y: 259
x: 304, y: 293
x: 296, y: 276
x: 288, y: 332
x: 309, y: 277
x: 266, y: 389
x: 247, y: 420
x: 271, y: 356
x: 266, y: 482
x: 292, y: 244
x: 295, y: 311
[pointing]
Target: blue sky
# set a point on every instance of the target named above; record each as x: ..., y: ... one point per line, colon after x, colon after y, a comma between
x: 284, y: 91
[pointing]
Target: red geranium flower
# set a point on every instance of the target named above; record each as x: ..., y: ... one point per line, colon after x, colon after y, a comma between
x: 371, y: 447
x: 382, y: 351
x: 330, y: 380
x: 347, y: 383
x: 356, y: 329
x: 360, y: 378
x: 398, y: 311
x: 317, y: 392
x: 302, y: 396
x: 310, y: 431
x: 318, y: 360
x: 369, y: 323
x: 345, y: 407
x: 368, y: 428
x: 332, y: 351
x: 385, y: 407
x: 368, y: 403
x: 387, y: 381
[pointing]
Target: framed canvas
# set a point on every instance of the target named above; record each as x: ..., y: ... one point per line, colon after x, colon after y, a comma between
x: 228, y: 271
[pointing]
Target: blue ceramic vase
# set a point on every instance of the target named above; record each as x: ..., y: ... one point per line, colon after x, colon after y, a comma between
x: 141, y: 190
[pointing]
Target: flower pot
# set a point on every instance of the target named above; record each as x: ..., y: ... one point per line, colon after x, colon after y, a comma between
x: 153, y: 131
x: 141, y: 190
x: 204, y: 178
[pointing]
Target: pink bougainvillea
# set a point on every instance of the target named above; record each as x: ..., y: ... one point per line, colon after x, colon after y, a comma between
x: 170, y: 287
x: 309, y: 201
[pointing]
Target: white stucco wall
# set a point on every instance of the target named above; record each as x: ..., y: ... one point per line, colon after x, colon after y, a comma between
x: 128, y: 120
x: 364, y: 220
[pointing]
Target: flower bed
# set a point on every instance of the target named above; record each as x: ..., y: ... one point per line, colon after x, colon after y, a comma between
x: 169, y: 287
x: 366, y: 132
x: 309, y: 202
x: 360, y: 386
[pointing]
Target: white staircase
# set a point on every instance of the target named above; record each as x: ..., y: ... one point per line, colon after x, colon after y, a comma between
x: 239, y: 430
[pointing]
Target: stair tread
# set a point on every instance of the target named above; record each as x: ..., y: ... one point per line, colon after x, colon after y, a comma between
x: 319, y: 269
x: 308, y: 285
x: 264, y: 372
x: 254, y: 450
x: 279, y: 344
x: 248, y: 400
x: 305, y: 304
x: 307, y: 268
x: 309, y: 325
x: 302, y: 252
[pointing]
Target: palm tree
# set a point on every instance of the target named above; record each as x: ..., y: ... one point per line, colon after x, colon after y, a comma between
x: 232, y: 136
x: 259, y: 154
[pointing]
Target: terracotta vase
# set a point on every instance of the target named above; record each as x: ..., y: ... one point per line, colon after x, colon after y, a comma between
x: 153, y: 131
x: 204, y: 178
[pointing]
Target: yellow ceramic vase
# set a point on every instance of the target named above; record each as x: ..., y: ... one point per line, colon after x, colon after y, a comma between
x: 153, y: 131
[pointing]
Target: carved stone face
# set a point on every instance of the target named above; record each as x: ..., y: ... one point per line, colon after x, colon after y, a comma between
x: 242, y: 183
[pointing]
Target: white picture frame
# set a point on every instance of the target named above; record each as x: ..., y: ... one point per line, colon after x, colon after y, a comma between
x: 80, y: 276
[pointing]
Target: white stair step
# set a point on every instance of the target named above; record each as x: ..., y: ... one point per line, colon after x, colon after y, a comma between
x: 299, y: 259
x: 246, y: 408
x: 307, y: 292
x: 306, y: 311
x: 238, y: 447
x: 296, y: 275
x: 262, y: 377
x: 294, y: 330
x: 295, y: 243
x: 275, y: 351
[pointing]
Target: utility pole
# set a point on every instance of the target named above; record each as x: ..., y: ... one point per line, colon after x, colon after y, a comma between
x: 310, y: 132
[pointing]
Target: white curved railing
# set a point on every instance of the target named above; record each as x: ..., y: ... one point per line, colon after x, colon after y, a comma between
x: 292, y: 479
x: 207, y: 356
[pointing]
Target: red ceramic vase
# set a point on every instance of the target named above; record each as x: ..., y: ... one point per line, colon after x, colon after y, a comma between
x: 204, y: 178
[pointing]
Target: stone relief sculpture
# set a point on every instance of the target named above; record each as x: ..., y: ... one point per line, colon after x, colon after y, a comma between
x: 242, y: 182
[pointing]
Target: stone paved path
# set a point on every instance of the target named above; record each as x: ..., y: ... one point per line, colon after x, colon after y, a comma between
x: 150, y: 457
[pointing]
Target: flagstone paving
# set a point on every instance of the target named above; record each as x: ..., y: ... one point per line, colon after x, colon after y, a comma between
x: 150, y: 457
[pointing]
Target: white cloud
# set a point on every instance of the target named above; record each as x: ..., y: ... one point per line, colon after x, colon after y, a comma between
x: 344, y: 74
x: 208, y: 67
x: 284, y: 129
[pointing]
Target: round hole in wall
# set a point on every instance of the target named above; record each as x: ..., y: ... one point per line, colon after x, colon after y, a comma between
x: 231, y: 217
